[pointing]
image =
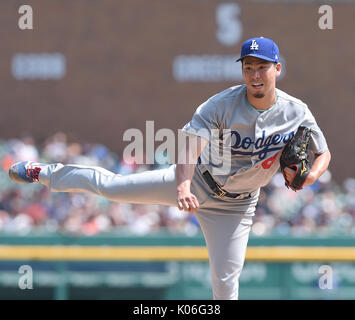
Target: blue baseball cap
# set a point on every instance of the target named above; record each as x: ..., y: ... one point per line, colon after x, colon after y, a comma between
x: 263, y: 48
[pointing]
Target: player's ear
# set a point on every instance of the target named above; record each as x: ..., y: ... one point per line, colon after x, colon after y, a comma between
x: 278, y: 68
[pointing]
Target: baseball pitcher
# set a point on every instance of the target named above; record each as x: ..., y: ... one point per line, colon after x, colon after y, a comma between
x: 248, y: 124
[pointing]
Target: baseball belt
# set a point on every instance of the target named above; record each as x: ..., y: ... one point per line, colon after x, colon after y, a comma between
x: 217, y: 189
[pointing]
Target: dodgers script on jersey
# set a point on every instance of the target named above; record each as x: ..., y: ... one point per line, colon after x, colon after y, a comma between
x: 249, y: 141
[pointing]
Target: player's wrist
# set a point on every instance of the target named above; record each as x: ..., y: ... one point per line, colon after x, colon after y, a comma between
x: 183, y: 187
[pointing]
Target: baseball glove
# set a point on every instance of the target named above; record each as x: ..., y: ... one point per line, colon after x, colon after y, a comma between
x: 296, y: 155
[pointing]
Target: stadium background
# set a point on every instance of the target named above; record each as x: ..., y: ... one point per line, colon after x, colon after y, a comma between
x: 90, y: 70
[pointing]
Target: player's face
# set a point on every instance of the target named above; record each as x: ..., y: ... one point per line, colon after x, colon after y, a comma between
x: 260, y: 76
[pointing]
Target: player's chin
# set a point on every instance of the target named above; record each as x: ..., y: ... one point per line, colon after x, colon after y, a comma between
x: 257, y: 92
x: 259, y: 95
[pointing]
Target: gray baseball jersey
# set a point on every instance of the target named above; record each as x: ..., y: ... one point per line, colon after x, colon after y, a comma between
x: 248, y: 139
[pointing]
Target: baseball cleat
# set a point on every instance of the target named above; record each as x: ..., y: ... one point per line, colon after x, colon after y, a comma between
x: 25, y: 172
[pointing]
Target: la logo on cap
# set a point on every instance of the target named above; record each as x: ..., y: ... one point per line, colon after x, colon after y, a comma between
x: 254, y: 45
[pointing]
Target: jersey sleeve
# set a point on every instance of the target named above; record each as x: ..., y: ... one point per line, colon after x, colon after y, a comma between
x: 318, y: 144
x: 205, y: 121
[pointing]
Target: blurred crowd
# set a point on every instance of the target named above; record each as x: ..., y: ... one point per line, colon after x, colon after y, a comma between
x: 324, y: 208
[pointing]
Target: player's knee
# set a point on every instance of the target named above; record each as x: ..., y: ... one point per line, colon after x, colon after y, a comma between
x: 106, y: 187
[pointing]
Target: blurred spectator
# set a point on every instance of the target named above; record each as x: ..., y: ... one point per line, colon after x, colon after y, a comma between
x: 324, y: 208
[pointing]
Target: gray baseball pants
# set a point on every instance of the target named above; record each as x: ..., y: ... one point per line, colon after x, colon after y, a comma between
x: 226, y: 235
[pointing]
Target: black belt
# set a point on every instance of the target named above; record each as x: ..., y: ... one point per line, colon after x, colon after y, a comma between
x: 217, y: 189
